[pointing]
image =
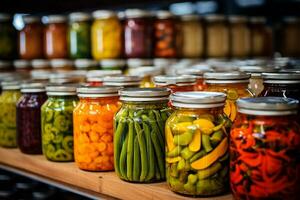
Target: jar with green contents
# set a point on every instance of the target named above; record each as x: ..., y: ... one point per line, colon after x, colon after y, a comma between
x: 139, y: 135
x: 57, y: 123
x: 8, y: 37
x: 79, y: 35
x: 8, y: 99
x: 197, y: 153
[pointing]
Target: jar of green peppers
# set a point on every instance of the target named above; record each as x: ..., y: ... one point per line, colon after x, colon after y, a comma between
x: 8, y: 37
x: 79, y: 38
x: 139, y: 134
x: 8, y: 99
x: 197, y: 153
x: 57, y: 122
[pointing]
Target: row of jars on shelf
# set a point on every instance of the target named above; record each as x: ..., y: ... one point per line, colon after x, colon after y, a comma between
x: 144, y: 138
x: 139, y: 34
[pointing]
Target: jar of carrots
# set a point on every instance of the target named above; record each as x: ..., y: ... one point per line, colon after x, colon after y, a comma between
x: 265, y: 148
x: 93, y: 127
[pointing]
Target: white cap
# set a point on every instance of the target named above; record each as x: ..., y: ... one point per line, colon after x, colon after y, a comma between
x: 40, y: 63
x: 85, y: 63
x: 103, y: 14
x: 55, y: 19
x: 58, y: 63
x: 21, y: 64
x: 79, y: 16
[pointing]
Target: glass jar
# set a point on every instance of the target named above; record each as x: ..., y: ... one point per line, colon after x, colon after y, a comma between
x: 139, y: 135
x: 256, y: 85
x: 165, y: 35
x: 55, y: 39
x: 192, y: 36
x: 22, y: 66
x: 95, y: 77
x: 31, y: 38
x: 8, y: 99
x: 137, y: 34
x: 122, y: 81
x: 175, y: 83
x: 217, y: 33
x: 8, y: 38
x: 61, y: 65
x: 86, y: 64
x: 79, y: 35
x: 239, y: 37
x: 198, y: 74
x: 197, y: 152
x: 264, y: 149
x: 41, y: 64
x: 234, y: 84
x: 93, y: 128
x: 57, y: 123
x: 261, y: 37
x: 290, y: 37
x: 5, y: 66
x: 146, y: 73
x: 113, y: 64
x: 29, y: 118
x: 281, y: 85
x: 105, y: 29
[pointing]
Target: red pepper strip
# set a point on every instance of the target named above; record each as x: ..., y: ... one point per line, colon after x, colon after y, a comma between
x: 256, y: 175
x: 273, y: 136
x: 239, y: 189
x: 294, y: 138
x: 257, y: 191
x: 281, y: 154
x: 274, y: 187
x: 253, y: 160
x: 271, y: 168
x: 243, y: 167
x: 235, y: 176
x: 250, y: 142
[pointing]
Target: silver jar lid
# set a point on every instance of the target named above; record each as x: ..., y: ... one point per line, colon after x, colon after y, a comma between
x: 61, y: 90
x: 174, y: 80
x: 192, y: 71
x: 258, y: 20
x: 198, y: 99
x: 10, y: 85
x: 103, y: 14
x: 79, y: 17
x: 269, y: 106
x: 281, y: 78
x: 93, y: 91
x: 21, y: 64
x: 256, y: 71
x: 108, y: 63
x: 103, y: 73
x: 56, y: 19
x: 163, y: 14
x: 85, y: 63
x: 61, y: 63
x: 144, y: 94
x: 40, y: 63
x: 40, y: 75
x: 136, y: 13
x: 33, y: 87
x: 145, y: 71
x: 122, y: 81
x: 226, y: 77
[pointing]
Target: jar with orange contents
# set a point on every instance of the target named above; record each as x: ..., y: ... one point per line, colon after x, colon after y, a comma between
x: 93, y: 127
x: 234, y: 84
x: 176, y: 83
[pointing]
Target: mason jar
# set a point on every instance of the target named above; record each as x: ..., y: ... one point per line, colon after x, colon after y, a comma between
x: 96, y: 77
x: 175, y: 83
x: 139, y: 135
x: 197, y: 144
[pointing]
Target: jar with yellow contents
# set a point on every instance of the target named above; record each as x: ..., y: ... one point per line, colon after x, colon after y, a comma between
x: 234, y: 84
x: 106, y: 35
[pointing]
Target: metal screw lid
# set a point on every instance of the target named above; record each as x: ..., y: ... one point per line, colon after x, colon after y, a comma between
x: 174, y: 80
x: 61, y: 90
x: 79, y: 16
x: 226, y: 77
x: 281, y: 78
x: 103, y: 14
x: 10, y: 85
x: 93, y: 91
x: 144, y: 94
x: 33, y: 87
x: 122, y: 81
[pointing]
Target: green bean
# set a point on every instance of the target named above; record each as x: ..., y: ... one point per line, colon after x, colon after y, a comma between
x: 157, y: 174
x: 144, y: 158
x: 154, y: 127
x: 205, y: 173
x: 136, y: 160
x: 150, y: 152
x: 130, y: 148
x: 217, y: 136
x: 159, y: 153
x: 117, y: 144
x: 206, y: 143
x: 123, y: 159
x: 197, y: 155
x: 159, y: 121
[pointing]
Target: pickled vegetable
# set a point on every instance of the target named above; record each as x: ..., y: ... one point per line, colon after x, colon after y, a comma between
x: 57, y: 128
x: 195, y: 159
x: 8, y: 132
x: 93, y: 133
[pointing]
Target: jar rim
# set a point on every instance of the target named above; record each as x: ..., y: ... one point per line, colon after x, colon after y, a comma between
x: 256, y: 69
x: 136, y: 13
x: 215, y: 18
x: 237, y: 19
x: 198, y: 99
x: 85, y: 63
x: 122, y: 79
x: 144, y: 94
x: 10, y: 85
x: 55, y: 19
x: 40, y: 63
x: 21, y: 63
x: 281, y: 76
x: 79, y: 16
x: 102, y: 73
x: 226, y: 77
x: 33, y: 87
x: 106, y: 63
x: 169, y: 79
x: 258, y: 20
x: 164, y: 14
x: 97, y: 91
x: 61, y: 90
x: 103, y: 14
x: 267, y: 106
x: 60, y: 62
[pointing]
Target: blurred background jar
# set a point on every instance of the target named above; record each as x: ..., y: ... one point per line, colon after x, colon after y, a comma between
x: 95, y: 77
x: 31, y: 38
x: 137, y: 34
x: 106, y: 35
x: 113, y: 64
x: 86, y: 64
x: 239, y: 37
x: 5, y: 66
x: 192, y: 36
x: 146, y: 73
x: 61, y: 65
x: 261, y: 37
x: 41, y: 64
x: 122, y: 81
x: 8, y: 37
x: 22, y: 66
x: 175, y: 83
x: 290, y: 37
x: 165, y: 35
x: 198, y: 74
x: 56, y: 37
x: 79, y: 35
x: 217, y: 33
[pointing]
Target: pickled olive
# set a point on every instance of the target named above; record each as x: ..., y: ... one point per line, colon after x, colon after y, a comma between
x: 57, y: 128
x: 141, y: 127
x: 199, y: 151
x: 8, y: 130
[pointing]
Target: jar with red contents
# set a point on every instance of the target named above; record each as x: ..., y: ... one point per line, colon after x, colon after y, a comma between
x: 198, y: 74
x: 55, y: 37
x: 31, y: 38
x: 165, y: 35
x: 176, y: 83
x: 95, y: 77
x: 265, y: 149
x: 137, y: 34
x: 29, y: 117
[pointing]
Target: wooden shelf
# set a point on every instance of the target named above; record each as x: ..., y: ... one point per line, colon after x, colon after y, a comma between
x: 99, y: 185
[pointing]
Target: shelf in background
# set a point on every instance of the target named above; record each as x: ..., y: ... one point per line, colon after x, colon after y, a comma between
x: 104, y: 185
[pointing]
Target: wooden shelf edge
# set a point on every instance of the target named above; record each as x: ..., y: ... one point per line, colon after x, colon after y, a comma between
x: 104, y: 185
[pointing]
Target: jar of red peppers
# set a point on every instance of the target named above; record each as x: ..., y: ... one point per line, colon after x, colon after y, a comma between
x: 122, y: 81
x: 95, y: 77
x: 29, y: 117
x: 137, y: 34
x: 165, y: 35
x: 265, y: 149
x: 93, y: 127
x: 31, y: 38
x: 56, y: 37
x: 281, y: 85
x: 176, y: 83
